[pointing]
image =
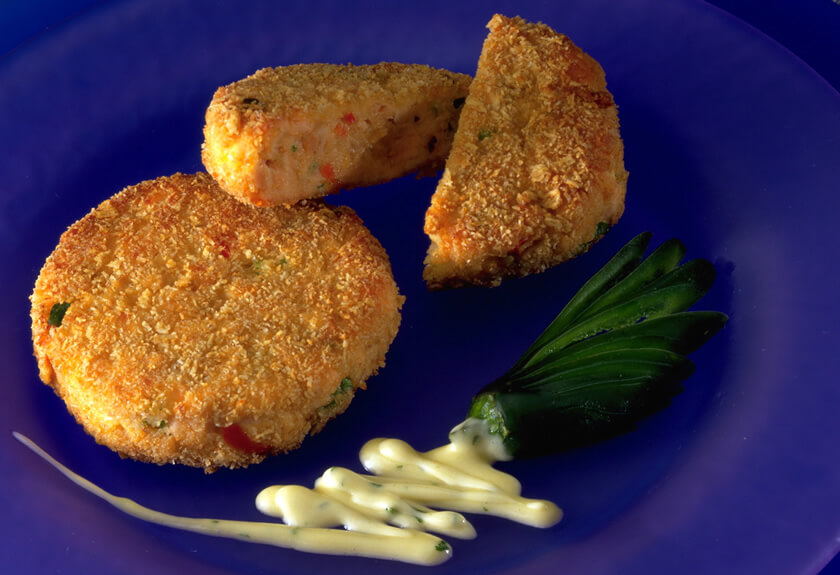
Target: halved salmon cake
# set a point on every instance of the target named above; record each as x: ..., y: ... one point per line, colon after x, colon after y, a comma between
x: 294, y: 132
x: 182, y: 326
x: 536, y: 171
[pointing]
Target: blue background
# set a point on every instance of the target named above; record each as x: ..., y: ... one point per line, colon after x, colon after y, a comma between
x: 810, y: 29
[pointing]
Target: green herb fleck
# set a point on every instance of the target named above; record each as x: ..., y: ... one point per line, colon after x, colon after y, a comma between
x: 294, y: 148
x: 343, y: 387
x: 483, y: 134
x: 391, y: 510
x: 442, y: 546
x: 375, y: 484
x: 419, y: 519
x: 244, y: 536
x: 57, y: 312
x: 602, y: 228
x: 283, y: 261
x: 257, y: 265
x: 600, y: 231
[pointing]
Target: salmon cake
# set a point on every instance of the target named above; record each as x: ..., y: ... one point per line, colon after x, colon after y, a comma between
x: 294, y: 132
x: 182, y: 326
x: 536, y: 171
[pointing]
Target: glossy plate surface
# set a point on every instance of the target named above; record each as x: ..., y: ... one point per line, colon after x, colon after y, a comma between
x: 732, y: 145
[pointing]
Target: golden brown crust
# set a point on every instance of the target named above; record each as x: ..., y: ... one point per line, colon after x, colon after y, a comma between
x: 536, y: 170
x: 204, y: 331
x: 294, y: 132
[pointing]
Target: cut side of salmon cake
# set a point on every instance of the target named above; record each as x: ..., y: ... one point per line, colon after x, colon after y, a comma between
x: 294, y: 132
x: 536, y: 171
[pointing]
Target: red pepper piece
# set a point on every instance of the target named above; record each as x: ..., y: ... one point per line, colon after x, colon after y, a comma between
x: 236, y: 437
x: 346, y: 119
x: 328, y: 173
x: 225, y: 244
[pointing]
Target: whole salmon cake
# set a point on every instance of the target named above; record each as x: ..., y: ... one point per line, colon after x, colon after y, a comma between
x: 182, y: 326
x: 302, y: 131
x: 536, y: 171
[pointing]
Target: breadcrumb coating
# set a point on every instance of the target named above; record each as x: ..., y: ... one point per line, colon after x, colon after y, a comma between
x: 182, y: 326
x: 294, y: 132
x: 536, y: 171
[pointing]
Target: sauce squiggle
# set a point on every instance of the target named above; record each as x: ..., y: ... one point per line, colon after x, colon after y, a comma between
x: 389, y: 514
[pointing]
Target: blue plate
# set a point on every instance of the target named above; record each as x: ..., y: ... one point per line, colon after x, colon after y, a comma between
x: 732, y: 145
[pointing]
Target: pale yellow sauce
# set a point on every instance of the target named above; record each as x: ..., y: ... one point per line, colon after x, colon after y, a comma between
x: 387, y: 515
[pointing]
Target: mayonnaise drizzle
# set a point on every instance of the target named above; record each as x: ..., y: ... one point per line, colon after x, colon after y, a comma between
x: 387, y: 515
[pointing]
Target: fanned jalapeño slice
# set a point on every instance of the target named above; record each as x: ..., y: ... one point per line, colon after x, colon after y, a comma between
x: 613, y: 356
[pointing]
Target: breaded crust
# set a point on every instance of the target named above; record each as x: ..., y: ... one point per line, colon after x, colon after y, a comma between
x: 294, y: 132
x: 182, y: 326
x: 536, y: 171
